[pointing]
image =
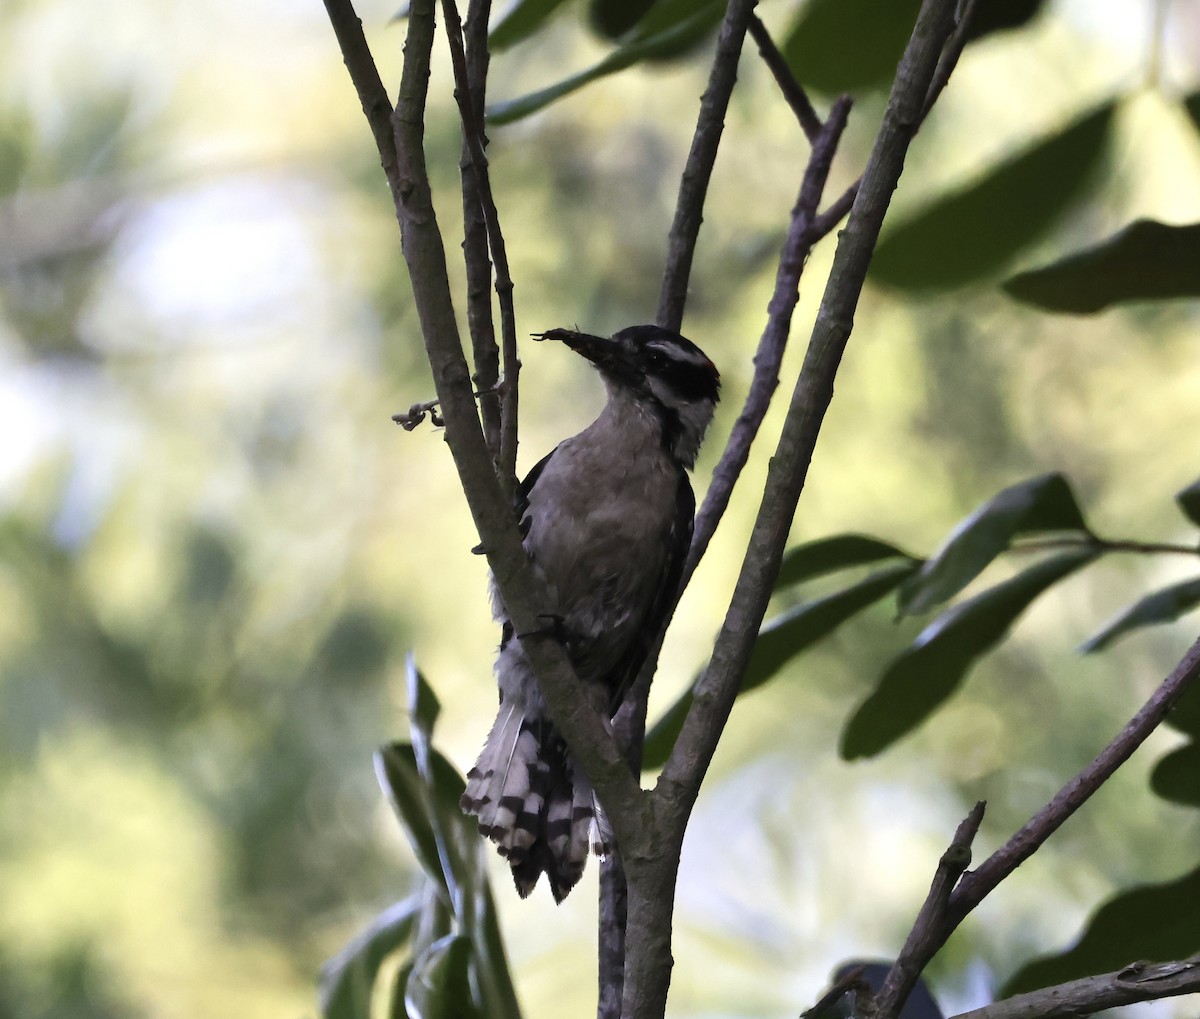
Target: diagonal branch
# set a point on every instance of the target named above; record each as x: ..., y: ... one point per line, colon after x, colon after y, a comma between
x: 980, y: 882
x: 1139, y: 981
x: 792, y: 90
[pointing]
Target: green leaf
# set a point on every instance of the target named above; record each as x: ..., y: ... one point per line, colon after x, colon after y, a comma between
x: 931, y: 669
x: 1185, y: 715
x: 1163, y: 606
x: 661, y: 736
x: 1177, y: 776
x: 427, y: 804
x: 783, y: 638
x: 439, y: 986
x: 348, y: 979
x: 1153, y: 922
x: 1001, y: 16
x: 815, y: 46
x: 423, y: 704
x: 779, y: 641
x: 678, y: 26
x: 1146, y: 261
x: 1189, y: 502
x: 816, y: 50
x: 519, y: 21
x: 396, y: 769
x: 613, y: 18
x: 973, y: 232
x: 1192, y: 105
x: 827, y: 555
x: 1044, y: 503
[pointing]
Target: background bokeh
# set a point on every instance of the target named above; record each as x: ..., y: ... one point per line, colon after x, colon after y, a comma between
x: 216, y: 549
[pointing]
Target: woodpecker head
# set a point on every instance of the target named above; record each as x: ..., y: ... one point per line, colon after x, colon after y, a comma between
x: 661, y: 371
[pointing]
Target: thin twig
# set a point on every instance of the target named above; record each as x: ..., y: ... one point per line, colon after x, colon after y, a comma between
x: 792, y: 90
x: 473, y: 136
x: 981, y: 881
x: 476, y: 254
x: 697, y: 171
x: 773, y: 343
x: 929, y: 932
x: 1140, y: 981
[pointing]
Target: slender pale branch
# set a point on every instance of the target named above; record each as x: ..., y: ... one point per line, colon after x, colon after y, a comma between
x: 1139, y: 981
x: 697, y: 172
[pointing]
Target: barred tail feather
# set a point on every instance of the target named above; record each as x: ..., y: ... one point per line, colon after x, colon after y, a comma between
x: 542, y: 817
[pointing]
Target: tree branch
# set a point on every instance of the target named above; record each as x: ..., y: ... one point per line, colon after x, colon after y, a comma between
x: 1139, y: 981
x: 697, y: 172
x: 792, y: 90
x: 474, y: 140
x: 980, y: 882
x: 586, y: 731
x: 771, y: 346
x: 716, y: 691
x: 652, y: 858
x: 927, y: 936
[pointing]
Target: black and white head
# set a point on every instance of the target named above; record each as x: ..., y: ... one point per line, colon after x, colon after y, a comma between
x: 660, y: 370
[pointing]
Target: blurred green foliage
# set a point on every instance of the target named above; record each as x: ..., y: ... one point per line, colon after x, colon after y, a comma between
x: 215, y: 551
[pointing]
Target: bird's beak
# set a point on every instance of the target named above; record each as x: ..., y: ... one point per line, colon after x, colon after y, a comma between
x: 604, y: 353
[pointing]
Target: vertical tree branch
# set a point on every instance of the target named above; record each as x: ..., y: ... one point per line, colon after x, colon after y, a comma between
x: 697, y: 172
x: 651, y: 860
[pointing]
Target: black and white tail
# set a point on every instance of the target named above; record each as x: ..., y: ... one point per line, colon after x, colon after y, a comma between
x: 524, y: 789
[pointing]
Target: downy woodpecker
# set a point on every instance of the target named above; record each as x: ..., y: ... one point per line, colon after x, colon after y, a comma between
x: 607, y: 520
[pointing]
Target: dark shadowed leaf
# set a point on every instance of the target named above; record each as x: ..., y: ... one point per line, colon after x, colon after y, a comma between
x: 519, y: 21
x: 929, y: 671
x: 1185, y: 715
x: 1177, y: 776
x: 1163, y: 606
x: 439, y: 986
x: 661, y: 736
x: 348, y: 978
x: 827, y: 555
x: 973, y: 232
x: 1192, y: 105
x: 672, y: 28
x: 1001, y: 15
x: 816, y: 51
x: 783, y: 638
x: 613, y: 18
x: 1189, y: 502
x: 1044, y: 503
x: 423, y: 704
x: 1146, y: 261
x: 779, y: 641
x: 1153, y: 922
x: 396, y: 768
